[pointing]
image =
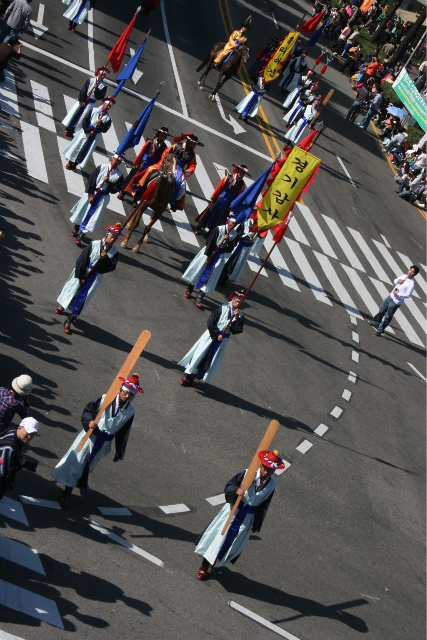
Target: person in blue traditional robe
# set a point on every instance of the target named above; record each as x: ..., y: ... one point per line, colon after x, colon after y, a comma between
x: 93, y: 89
x: 248, y: 518
x: 77, y: 12
x: 298, y: 129
x: 115, y: 423
x: 82, y: 285
x: 248, y: 107
x: 235, y: 264
x: 291, y: 78
x: 80, y: 149
x: 205, y: 269
x: 205, y: 357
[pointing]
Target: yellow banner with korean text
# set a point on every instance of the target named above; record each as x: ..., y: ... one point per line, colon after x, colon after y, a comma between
x: 286, y: 188
x: 274, y: 67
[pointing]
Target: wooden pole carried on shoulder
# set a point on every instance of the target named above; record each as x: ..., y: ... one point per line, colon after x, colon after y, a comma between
x: 253, y: 467
x: 125, y: 370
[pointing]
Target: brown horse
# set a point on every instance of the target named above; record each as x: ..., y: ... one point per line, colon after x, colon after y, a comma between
x: 158, y: 199
x: 228, y: 69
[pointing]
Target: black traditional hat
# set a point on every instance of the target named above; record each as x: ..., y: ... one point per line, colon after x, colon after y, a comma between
x: 164, y: 130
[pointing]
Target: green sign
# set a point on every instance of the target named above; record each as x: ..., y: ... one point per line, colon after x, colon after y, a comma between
x: 411, y: 98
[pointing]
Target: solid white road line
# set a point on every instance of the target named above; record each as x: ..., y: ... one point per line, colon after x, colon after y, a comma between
x: 368, y: 254
x: 352, y: 376
x: 172, y: 57
x: 321, y: 430
x: 12, y: 509
x: 184, y: 227
x: 216, y: 500
x: 9, y: 99
x: 344, y: 244
x: 74, y: 181
x: 297, y: 232
x: 91, y: 50
x: 340, y: 290
x: 42, y: 106
x: 397, y: 269
x: 125, y: 543
x: 357, y: 283
x: 346, y: 394
x: 386, y: 242
x: 304, y: 446
x: 420, y: 281
x: 262, y: 621
x: 175, y: 508
x: 346, y: 172
x: 336, y: 412
x: 21, y: 554
x: 355, y: 356
x: 29, y: 603
x: 399, y: 317
x: 417, y: 372
x: 114, y: 511
x: 33, y: 150
x: 316, y: 230
x: 308, y: 273
x: 280, y: 264
x: 40, y: 502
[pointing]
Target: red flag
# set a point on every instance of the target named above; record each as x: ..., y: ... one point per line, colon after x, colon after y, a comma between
x: 307, y: 142
x: 280, y: 231
x: 310, y: 25
x: 118, y: 51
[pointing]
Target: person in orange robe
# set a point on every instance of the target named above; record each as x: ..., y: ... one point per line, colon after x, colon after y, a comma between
x: 150, y: 154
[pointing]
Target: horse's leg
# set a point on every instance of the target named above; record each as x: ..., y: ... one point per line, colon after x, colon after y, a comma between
x: 204, y: 63
x: 146, y: 230
x: 217, y: 88
x: 133, y: 224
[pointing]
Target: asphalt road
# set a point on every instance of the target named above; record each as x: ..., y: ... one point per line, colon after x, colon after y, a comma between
x: 342, y: 551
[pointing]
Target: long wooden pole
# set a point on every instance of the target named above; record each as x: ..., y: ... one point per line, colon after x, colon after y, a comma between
x: 114, y: 389
x: 253, y: 467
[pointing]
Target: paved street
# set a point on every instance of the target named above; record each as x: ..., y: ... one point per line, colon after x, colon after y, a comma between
x: 341, y: 554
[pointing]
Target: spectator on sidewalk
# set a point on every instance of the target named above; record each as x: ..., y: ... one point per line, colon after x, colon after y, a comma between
x: 361, y: 95
x: 8, y: 51
x: 404, y: 288
x: 11, y: 445
x: 374, y: 105
x: 411, y: 188
x: 17, y: 17
x: 351, y: 60
x: 14, y: 400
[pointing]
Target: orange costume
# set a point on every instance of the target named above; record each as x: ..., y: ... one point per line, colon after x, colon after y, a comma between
x: 150, y: 154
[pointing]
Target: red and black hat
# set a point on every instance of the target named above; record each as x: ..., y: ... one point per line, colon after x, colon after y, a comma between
x: 164, y: 130
x: 191, y: 137
x: 132, y: 383
x: 101, y: 70
x: 237, y: 294
x: 242, y: 167
x: 271, y: 459
x: 115, y: 229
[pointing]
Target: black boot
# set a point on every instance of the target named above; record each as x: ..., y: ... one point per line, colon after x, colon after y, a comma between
x: 198, y: 300
x: 202, y: 573
x: 75, y: 231
x: 65, y: 496
x: 187, y: 380
x: 69, y: 321
x: 189, y: 291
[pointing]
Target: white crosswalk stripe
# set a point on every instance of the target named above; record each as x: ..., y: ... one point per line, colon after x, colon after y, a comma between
x: 8, y: 96
x: 29, y: 603
x: 339, y: 288
x: 344, y: 244
x: 43, y: 106
x: 397, y: 269
x: 307, y: 271
x: 419, y: 280
x: 296, y: 231
x: 316, y: 230
x: 357, y: 283
x: 369, y: 255
x: 184, y: 228
x: 34, y: 157
x: 21, y: 554
x: 280, y: 264
x: 74, y: 181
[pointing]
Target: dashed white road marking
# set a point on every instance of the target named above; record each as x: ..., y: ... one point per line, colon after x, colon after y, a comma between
x: 126, y: 544
x: 353, y: 320
x: 346, y: 172
x: 13, y: 510
x: 287, y: 464
x: 40, y: 502
x: 355, y: 356
x: 386, y: 242
x: 114, y: 511
x: 29, y: 603
x: 265, y: 623
x: 346, y: 394
x: 216, y: 500
x: 304, y: 446
x: 417, y: 372
x: 175, y: 508
x: 336, y: 412
x: 21, y: 554
x: 352, y: 376
x: 321, y: 430
x: 355, y: 337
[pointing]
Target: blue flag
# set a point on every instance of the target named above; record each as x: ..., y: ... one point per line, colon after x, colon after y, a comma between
x: 134, y: 135
x: 129, y: 69
x: 314, y: 38
x: 245, y: 203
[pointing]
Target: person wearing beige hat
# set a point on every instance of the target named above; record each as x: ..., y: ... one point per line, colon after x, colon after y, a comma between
x: 14, y: 400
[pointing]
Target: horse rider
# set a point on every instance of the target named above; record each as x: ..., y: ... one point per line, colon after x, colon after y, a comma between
x: 235, y: 41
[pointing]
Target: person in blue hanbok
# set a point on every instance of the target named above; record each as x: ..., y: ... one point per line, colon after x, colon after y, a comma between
x: 235, y: 264
x: 77, y: 12
x: 297, y: 131
x: 205, y: 357
x: 305, y: 84
x: 87, y: 212
x: 81, y: 286
x: 84, y: 143
x: 115, y: 423
x: 306, y: 97
x: 248, y: 107
x: 291, y: 78
x: 205, y: 269
x: 249, y: 517
x: 93, y: 89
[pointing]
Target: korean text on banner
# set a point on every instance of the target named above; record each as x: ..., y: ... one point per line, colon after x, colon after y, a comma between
x: 272, y: 70
x: 411, y: 98
x: 286, y: 188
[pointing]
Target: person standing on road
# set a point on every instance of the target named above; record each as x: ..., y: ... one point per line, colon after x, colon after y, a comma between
x: 404, y: 288
x: 361, y: 95
x: 82, y: 146
x: 17, y: 17
x: 206, y: 355
x: 115, y: 423
x: 11, y: 444
x: 8, y: 51
x: 15, y: 400
x: 93, y: 89
x: 373, y: 108
x: 249, y: 516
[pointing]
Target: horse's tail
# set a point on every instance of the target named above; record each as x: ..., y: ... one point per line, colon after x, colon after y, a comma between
x: 204, y: 63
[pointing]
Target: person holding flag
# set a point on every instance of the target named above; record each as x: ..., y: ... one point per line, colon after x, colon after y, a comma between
x: 248, y: 107
x: 98, y: 258
x: 235, y: 41
x: 227, y: 190
x: 77, y: 12
x: 297, y: 68
x: 304, y: 84
x: 305, y: 98
x: 82, y: 146
x: 235, y: 264
x: 205, y: 357
x: 87, y: 212
x: 299, y: 126
x: 93, y: 89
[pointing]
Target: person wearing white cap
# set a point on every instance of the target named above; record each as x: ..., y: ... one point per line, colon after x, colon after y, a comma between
x: 11, y: 444
x: 10, y: 400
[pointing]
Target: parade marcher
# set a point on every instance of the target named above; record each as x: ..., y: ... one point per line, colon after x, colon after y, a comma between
x: 87, y: 212
x: 205, y: 357
x: 150, y: 154
x: 12, y: 460
x: 93, y: 89
x: 263, y: 56
x: 77, y: 12
x: 205, y: 269
x: 404, y: 288
x: 305, y: 84
x: 297, y: 130
x: 15, y: 400
x: 249, y: 517
x: 297, y: 68
x: 248, y: 107
x: 84, y: 143
x: 305, y: 98
x: 235, y: 264
x: 295, y: 53
x: 78, y: 290
x: 227, y: 190
x: 235, y: 41
x: 116, y: 421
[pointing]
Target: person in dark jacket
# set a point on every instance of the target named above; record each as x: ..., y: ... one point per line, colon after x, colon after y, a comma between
x: 11, y: 445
